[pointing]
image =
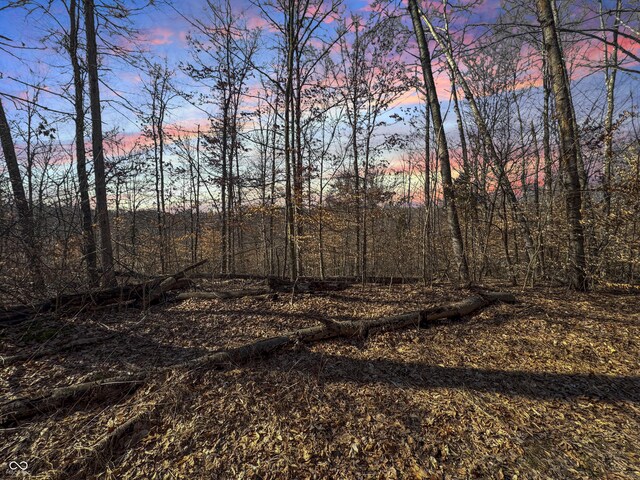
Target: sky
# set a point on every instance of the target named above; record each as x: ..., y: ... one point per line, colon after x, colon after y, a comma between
x: 162, y: 33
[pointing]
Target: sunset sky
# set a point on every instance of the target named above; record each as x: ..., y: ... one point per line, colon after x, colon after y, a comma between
x: 162, y: 33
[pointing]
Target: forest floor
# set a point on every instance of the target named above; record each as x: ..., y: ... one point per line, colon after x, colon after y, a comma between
x: 546, y: 388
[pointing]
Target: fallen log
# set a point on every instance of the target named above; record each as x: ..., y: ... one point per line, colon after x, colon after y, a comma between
x: 377, y: 280
x: 13, y: 315
x: 229, y: 276
x: 224, y: 294
x: 398, y: 280
x: 274, y: 285
x: 21, y: 408
x: 305, y: 286
x: 43, y: 352
x: 18, y: 409
x: 332, y: 329
x: 136, y: 295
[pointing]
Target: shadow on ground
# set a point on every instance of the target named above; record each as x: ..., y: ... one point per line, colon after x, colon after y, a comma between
x: 534, y: 385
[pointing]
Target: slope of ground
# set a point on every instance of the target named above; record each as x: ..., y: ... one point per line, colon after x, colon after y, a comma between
x: 547, y: 388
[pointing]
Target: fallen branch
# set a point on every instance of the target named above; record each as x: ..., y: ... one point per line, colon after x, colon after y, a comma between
x: 274, y: 285
x: 18, y: 409
x: 305, y: 286
x: 101, y: 449
x: 24, y: 408
x: 352, y: 279
x: 224, y: 294
x: 378, y: 280
x: 43, y: 352
x: 127, y: 296
x: 333, y: 329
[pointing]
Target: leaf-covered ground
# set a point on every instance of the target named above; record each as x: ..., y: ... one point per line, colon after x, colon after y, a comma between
x: 547, y: 388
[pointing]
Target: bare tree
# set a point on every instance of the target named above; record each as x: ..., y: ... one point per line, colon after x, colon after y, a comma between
x: 222, y: 50
x: 568, y: 151
x: 161, y: 93
x: 301, y: 23
x: 89, y: 242
x: 489, y: 144
x: 374, y: 77
x: 25, y: 214
x: 441, y: 140
x: 102, y: 207
x: 610, y: 71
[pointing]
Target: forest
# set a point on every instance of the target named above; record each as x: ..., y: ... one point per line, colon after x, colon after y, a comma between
x: 319, y: 239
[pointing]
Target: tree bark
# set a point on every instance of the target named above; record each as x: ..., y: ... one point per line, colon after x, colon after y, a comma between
x: 568, y: 152
x: 306, y: 285
x: 333, y: 329
x: 496, y: 161
x: 25, y: 214
x: 224, y: 294
x: 21, y: 408
x: 610, y: 68
x: 290, y: 217
x: 443, y: 153
x: 89, y: 241
x: 102, y: 208
x: 141, y: 294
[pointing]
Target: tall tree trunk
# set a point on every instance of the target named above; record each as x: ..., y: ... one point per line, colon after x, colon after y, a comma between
x: 463, y: 140
x: 102, y: 209
x: 235, y: 189
x: 536, y: 200
x: 427, y: 271
x: 588, y: 211
x: 290, y: 217
x: 196, y: 188
x: 568, y: 152
x: 272, y: 194
x: 164, y: 242
x: 89, y: 241
x: 159, y: 174
x: 356, y: 183
x: 496, y: 161
x: 546, y: 130
x: 298, y: 168
x: 353, y: 117
x: 224, y: 226
x: 443, y: 152
x: 365, y: 204
x: 321, y: 213
x: 25, y: 215
x: 610, y: 69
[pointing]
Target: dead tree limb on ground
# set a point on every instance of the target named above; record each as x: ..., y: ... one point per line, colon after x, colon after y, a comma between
x: 306, y: 285
x: 24, y: 408
x: 141, y: 294
x: 274, y: 286
x: 102, y: 449
x: 43, y: 352
x: 224, y: 294
x: 18, y: 409
x: 333, y: 329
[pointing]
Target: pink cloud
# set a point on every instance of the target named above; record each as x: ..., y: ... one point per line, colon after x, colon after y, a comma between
x: 159, y: 36
x: 127, y: 141
x: 254, y: 22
